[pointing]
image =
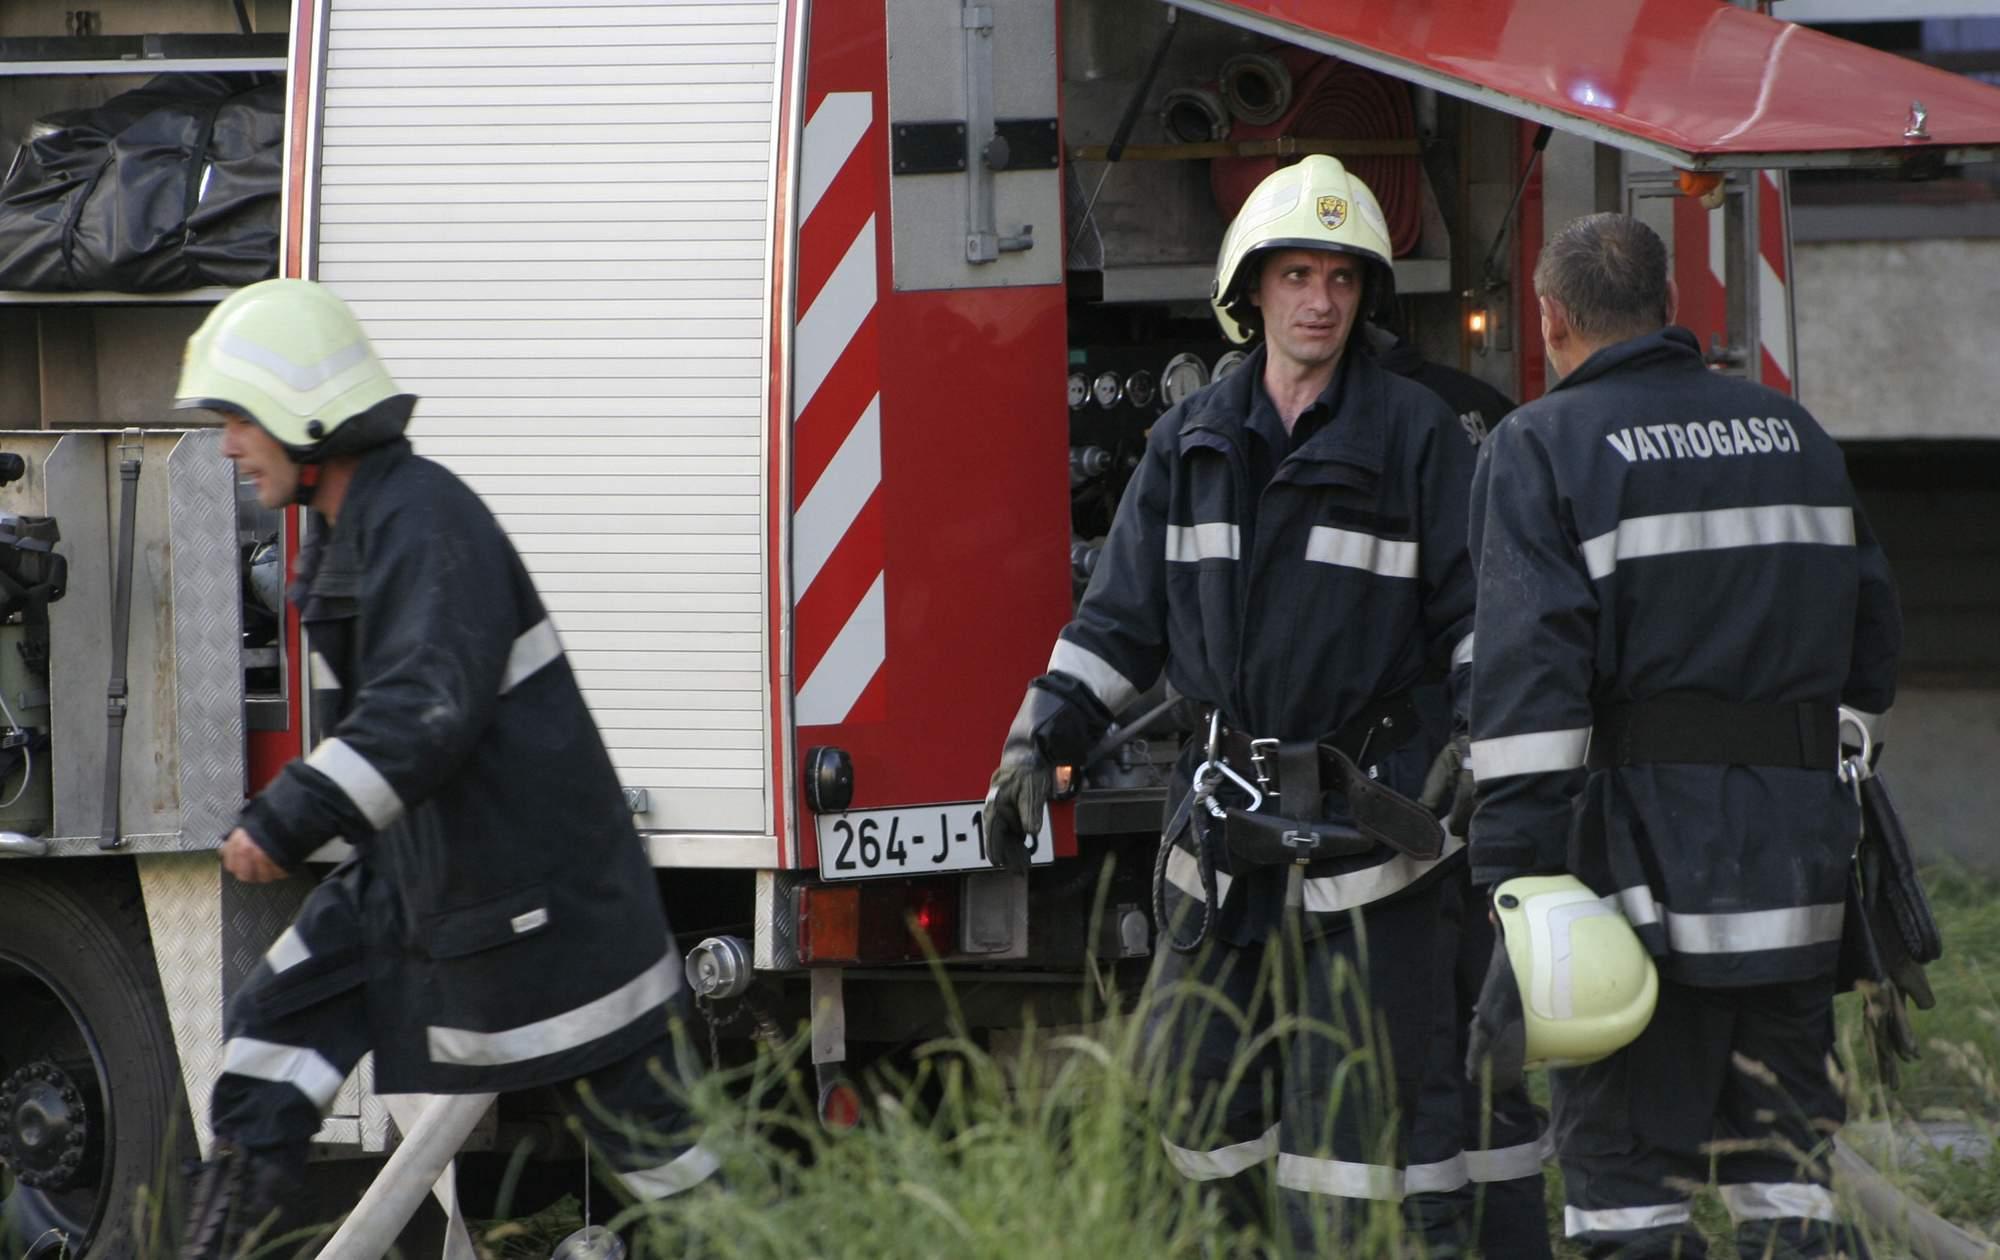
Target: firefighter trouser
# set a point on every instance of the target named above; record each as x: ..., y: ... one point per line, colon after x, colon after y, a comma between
x: 1505, y: 1138
x: 1310, y: 1057
x: 1740, y: 1075
x: 299, y: 1025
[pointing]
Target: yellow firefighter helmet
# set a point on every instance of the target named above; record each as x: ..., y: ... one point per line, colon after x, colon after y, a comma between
x: 290, y: 355
x: 1312, y: 204
x: 1587, y: 986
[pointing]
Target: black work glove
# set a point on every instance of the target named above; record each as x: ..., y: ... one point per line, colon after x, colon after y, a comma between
x: 1498, y: 1038
x: 1448, y: 787
x: 1020, y: 789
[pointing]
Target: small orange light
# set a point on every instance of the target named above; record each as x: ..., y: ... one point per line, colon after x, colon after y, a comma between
x: 829, y: 924
x: 1475, y: 323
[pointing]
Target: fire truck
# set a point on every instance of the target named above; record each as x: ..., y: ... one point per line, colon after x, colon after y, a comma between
x: 803, y: 350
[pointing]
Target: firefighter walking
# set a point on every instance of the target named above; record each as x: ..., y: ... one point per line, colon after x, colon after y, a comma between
x: 1677, y: 595
x: 498, y: 926
x: 1291, y: 555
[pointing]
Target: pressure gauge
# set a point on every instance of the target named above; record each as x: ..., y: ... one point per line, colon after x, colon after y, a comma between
x: 1107, y: 390
x: 1183, y: 375
x: 1139, y: 388
x: 1229, y: 363
x: 1079, y: 390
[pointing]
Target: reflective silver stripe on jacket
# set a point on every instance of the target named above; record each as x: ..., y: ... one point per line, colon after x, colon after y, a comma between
x: 304, y: 1070
x: 684, y: 1172
x: 1738, y: 932
x: 1223, y: 1161
x: 1537, y: 752
x: 1111, y: 688
x: 1386, y: 1182
x: 1184, y: 873
x: 288, y: 951
x: 1623, y: 1220
x: 1509, y: 1163
x: 1676, y: 532
x: 1216, y: 540
x: 353, y: 774
x: 320, y: 675
x: 1462, y: 654
x: 1778, y: 1200
x: 633, y: 1000
x: 1329, y: 894
x: 1352, y: 549
x: 537, y: 646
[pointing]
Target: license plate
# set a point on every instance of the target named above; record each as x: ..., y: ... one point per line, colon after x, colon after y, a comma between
x: 918, y: 840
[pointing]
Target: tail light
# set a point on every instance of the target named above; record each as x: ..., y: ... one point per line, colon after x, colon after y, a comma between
x: 883, y: 922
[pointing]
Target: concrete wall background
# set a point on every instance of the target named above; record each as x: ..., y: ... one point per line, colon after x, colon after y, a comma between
x: 1897, y: 339
x: 1939, y: 766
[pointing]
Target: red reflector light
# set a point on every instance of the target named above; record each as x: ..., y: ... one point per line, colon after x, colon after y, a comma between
x: 885, y: 922
x: 830, y: 924
x: 839, y: 1106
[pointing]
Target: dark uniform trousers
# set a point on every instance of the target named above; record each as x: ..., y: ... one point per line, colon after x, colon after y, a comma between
x: 1303, y: 1062
x: 1741, y: 1076
x: 1505, y: 1136
x: 299, y: 1025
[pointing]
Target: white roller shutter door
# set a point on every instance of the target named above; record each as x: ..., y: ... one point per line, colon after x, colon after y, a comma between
x: 554, y: 220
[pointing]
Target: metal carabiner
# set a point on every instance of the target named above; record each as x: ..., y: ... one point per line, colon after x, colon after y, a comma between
x: 1858, y: 767
x: 1209, y: 775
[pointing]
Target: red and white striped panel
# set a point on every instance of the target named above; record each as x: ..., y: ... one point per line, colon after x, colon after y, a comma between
x: 839, y: 623
x: 1704, y: 300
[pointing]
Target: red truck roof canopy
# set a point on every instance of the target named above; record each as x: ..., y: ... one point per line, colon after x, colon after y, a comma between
x: 1695, y: 83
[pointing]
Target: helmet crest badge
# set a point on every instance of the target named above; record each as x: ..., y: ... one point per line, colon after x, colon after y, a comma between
x: 1333, y: 211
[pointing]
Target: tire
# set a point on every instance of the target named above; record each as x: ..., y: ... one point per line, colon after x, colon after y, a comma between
x: 82, y: 998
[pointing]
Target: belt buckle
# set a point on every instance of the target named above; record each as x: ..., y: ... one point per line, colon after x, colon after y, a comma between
x: 1304, y: 846
x: 1261, y: 752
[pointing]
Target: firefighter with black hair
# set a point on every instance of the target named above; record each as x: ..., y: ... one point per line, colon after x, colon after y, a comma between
x: 1290, y: 554
x: 498, y: 926
x: 1680, y: 604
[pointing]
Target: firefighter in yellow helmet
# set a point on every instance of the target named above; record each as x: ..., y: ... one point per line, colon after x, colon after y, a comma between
x: 1290, y: 555
x: 497, y: 927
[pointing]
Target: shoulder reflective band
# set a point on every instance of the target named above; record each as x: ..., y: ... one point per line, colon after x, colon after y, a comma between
x: 1354, y: 550
x: 1677, y: 532
x: 304, y: 1070
x: 1223, y: 1161
x: 536, y: 647
x: 566, y: 1031
x: 1740, y: 932
x: 1111, y: 688
x: 1624, y: 1220
x: 1538, y: 752
x: 353, y: 774
x: 1778, y: 1200
x: 1217, y: 540
x: 684, y: 1172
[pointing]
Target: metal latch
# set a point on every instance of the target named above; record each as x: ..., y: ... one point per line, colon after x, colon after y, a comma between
x: 983, y: 145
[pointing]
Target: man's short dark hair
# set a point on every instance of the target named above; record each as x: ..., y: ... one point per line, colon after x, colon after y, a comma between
x: 1609, y: 274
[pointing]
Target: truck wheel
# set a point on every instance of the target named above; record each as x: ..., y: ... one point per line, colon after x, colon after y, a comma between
x: 91, y: 1107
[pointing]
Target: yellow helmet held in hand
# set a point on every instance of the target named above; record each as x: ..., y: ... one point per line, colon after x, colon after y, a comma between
x: 290, y: 355
x: 1570, y: 981
x: 1312, y: 204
